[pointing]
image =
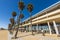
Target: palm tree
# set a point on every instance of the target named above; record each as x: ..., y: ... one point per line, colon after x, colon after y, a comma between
x: 21, y: 7
x: 21, y: 16
x: 30, y: 8
x: 12, y: 23
x: 14, y: 14
x: 10, y: 28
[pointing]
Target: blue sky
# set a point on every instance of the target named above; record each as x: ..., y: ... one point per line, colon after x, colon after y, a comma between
x: 8, y: 6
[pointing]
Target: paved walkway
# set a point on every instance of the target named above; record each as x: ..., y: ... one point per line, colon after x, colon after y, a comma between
x: 3, y: 34
x: 28, y: 36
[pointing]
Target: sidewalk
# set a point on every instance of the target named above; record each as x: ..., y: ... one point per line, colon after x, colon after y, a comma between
x: 3, y: 34
x: 28, y: 36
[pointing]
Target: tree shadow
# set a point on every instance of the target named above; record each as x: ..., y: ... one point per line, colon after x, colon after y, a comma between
x: 26, y: 35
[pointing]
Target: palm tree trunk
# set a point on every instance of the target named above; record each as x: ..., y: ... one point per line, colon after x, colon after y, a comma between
x: 16, y: 32
x: 31, y: 22
x: 17, y: 28
x: 18, y: 22
x: 14, y: 25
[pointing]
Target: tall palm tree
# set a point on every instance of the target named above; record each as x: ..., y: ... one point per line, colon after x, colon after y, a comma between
x: 10, y: 28
x: 21, y: 7
x: 14, y: 15
x: 30, y: 9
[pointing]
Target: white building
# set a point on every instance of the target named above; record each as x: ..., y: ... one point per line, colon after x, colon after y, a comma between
x: 47, y: 19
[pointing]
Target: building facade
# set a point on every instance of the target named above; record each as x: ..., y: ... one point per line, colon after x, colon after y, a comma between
x: 47, y: 19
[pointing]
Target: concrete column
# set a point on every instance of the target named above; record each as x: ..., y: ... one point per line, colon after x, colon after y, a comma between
x: 37, y: 27
x: 26, y: 28
x: 49, y: 28
x: 55, y: 26
x: 29, y: 28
